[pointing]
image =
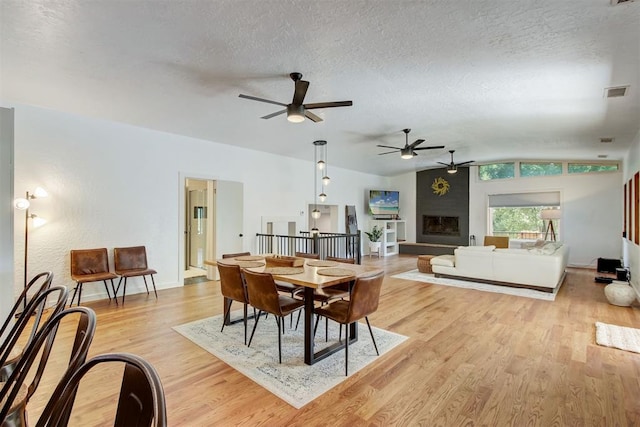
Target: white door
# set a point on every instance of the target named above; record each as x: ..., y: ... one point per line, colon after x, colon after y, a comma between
x: 228, y: 223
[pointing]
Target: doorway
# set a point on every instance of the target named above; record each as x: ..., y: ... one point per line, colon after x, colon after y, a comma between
x: 328, y: 221
x: 196, y: 226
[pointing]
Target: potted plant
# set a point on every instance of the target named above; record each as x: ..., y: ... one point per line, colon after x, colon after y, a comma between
x: 374, y: 239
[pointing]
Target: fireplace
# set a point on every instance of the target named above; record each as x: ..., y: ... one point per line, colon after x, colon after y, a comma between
x: 440, y: 225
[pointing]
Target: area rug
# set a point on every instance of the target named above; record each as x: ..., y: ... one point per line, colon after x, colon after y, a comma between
x: 520, y: 292
x: 293, y: 381
x: 620, y: 337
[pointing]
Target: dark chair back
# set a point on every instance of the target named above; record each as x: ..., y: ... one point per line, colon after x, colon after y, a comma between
x: 231, y: 282
x: 236, y: 254
x: 131, y: 258
x: 15, y: 412
x: 141, y: 401
x: 365, y: 296
x: 307, y: 255
x: 262, y: 292
x: 343, y: 260
x: 89, y: 261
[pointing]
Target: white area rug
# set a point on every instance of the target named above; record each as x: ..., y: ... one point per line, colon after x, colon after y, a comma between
x: 520, y: 292
x: 293, y: 381
x: 620, y: 337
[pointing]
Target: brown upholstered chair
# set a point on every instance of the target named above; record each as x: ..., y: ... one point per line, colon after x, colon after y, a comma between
x: 364, y: 299
x: 141, y: 401
x: 15, y: 393
x: 35, y: 287
x: 91, y: 265
x: 263, y: 295
x: 498, y: 241
x: 233, y: 288
x: 236, y: 254
x: 132, y: 262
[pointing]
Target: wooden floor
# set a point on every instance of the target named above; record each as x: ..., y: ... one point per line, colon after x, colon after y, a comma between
x: 473, y: 358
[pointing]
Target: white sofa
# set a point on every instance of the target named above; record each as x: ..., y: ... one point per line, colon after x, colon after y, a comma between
x: 541, y: 267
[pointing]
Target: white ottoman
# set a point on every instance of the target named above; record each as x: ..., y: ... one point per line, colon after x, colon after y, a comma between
x: 620, y: 293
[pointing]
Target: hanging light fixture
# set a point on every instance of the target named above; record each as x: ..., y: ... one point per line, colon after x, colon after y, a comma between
x: 320, y: 160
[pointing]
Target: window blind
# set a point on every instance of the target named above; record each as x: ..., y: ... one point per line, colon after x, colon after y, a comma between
x: 520, y: 200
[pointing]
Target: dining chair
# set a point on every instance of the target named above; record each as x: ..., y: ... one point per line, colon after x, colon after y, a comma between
x: 15, y: 393
x: 237, y: 254
x: 40, y: 283
x: 141, y: 401
x: 91, y: 265
x: 263, y: 295
x: 498, y: 241
x: 132, y: 262
x: 365, y: 296
x: 233, y: 288
x: 307, y: 255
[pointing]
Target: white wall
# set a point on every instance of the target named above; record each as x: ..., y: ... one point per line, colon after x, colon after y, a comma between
x: 406, y: 184
x: 630, y: 249
x: 591, y: 222
x: 6, y: 212
x: 112, y: 185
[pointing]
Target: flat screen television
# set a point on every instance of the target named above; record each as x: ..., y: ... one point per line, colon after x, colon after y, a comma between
x: 384, y: 204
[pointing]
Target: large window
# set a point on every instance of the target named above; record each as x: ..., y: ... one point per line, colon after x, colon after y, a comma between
x: 592, y: 167
x: 497, y: 171
x: 540, y: 169
x: 517, y: 215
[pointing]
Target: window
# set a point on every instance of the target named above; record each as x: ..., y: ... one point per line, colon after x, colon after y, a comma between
x: 517, y: 215
x: 591, y: 167
x: 540, y: 169
x: 496, y: 171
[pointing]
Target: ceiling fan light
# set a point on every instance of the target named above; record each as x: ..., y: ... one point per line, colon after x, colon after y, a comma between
x: 452, y: 169
x: 406, y: 153
x: 295, y: 113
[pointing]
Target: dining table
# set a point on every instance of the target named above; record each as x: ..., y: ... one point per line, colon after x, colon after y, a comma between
x: 312, y: 275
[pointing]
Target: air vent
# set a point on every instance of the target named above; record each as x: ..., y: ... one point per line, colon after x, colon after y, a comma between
x: 602, y: 156
x: 615, y: 2
x: 606, y: 140
x: 615, y: 92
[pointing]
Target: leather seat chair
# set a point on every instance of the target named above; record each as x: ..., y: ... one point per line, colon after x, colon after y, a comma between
x: 501, y: 242
x: 263, y: 295
x: 132, y: 262
x: 364, y: 299
x: 91, y: 265
x: 233, y: 288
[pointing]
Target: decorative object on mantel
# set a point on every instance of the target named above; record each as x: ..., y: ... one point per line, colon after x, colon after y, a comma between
x: 620, y: 293
x: 440, y: 186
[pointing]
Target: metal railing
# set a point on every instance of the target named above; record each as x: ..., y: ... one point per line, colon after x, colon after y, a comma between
x: 532, y: 235
x: 326, y: 244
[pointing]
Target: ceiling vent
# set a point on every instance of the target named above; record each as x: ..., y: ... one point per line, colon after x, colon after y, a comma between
x: 606, y: 140
x: 615, y: 92
x: 615, y: 2
x: 602, y: 156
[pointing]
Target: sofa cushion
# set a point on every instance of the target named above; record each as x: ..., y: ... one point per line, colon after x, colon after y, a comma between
x: 478, y: 248
x: 446, y: 260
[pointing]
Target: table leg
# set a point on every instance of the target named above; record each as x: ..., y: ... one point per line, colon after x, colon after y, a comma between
x: 308, y: 326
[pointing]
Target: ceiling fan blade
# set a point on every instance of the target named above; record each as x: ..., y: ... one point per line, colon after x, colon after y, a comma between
x: 253, y: 98
x: 328, y: 105
x: 464, y: 163
x: 277, y: 113
x: 429, y: 148
x: 387, y: 146
x: 388, y: 152
x: 312, y: 117
x: 300, y: 92
x: 416, y: 143
x: 445, y: 164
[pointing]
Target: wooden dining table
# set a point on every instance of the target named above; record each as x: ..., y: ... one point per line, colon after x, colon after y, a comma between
x: 310, y: 278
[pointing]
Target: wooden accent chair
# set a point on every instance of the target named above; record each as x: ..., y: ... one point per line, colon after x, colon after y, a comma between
x: 263, y: 295
x: 91, y: 265
x: 365, y: 296
x: 498, y: 241
x: 132, y: 262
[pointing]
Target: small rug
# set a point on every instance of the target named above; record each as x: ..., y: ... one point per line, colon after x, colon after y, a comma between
x: 337, y: 272
x: 467, y: 284
x: 285, y: 271
x: 620, y: 337
x: 322, y: 263
x: 292, y: 381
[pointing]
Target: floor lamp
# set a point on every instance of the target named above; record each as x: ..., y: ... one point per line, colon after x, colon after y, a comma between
x: 24, y: 204
x: 550, y: 215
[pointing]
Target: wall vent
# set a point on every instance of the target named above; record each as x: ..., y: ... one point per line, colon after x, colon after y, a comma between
x: 615, y: 92
x: 602, y: 156
x: 606, y: 140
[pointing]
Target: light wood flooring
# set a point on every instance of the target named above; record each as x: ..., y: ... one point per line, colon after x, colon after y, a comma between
x: 473, y: 358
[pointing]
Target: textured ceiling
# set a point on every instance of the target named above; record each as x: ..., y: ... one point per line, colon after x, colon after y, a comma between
x: 492, y: 79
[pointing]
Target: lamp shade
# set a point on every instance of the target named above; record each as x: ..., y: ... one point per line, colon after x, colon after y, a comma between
x: 549, y: 214
x: 21, y: 204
